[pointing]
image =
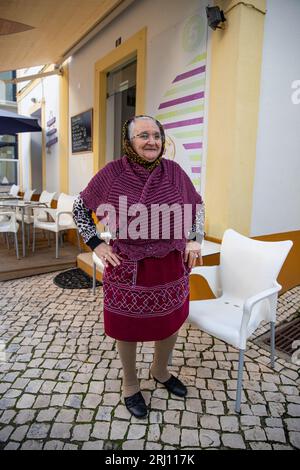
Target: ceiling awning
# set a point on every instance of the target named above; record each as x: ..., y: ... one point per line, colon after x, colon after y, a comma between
x: 43, y: 32
x: 12, y: 123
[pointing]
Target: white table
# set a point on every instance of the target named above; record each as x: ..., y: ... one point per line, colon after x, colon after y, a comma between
x: 14, y: 203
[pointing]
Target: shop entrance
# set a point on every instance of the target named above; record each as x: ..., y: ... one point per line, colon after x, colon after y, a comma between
x: 120, y: 79
x: 120, y: 106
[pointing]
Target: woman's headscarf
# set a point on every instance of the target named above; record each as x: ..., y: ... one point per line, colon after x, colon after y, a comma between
x: 130, y: 152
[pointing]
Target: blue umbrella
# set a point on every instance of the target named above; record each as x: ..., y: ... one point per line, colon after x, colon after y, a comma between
x: 12, y: 123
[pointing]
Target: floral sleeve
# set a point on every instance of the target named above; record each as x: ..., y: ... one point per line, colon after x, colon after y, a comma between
x: 85, y: 223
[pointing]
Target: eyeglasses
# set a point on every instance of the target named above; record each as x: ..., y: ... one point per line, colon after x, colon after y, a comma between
x: 145, y: 136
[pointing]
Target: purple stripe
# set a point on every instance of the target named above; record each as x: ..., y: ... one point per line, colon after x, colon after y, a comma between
x: 188, y: 122
x: 196, y: 169
x: 190, y: 73
x: 194, y: 145
x: 183, y: 99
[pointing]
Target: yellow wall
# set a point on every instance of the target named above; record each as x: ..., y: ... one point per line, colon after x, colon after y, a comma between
x: 63, y: 139
x: 236, y: 56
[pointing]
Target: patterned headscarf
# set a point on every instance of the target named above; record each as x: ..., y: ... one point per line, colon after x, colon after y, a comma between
x: 130, y: 152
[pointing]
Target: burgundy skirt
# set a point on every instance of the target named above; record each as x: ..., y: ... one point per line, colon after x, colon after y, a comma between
x: 146, y: 300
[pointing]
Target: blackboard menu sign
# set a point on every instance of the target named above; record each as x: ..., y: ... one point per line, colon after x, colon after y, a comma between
x: 81, y: 129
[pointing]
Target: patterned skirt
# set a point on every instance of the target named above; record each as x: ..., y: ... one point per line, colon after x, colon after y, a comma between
x: 146, y: 300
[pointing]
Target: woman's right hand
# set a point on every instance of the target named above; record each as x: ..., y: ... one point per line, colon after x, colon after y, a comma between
x: 105, y: 253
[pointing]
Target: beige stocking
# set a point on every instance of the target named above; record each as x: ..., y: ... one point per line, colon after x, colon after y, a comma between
x: 127, y: 353
x: 163, y: 348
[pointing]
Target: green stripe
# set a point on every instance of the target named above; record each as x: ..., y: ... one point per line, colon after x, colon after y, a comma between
x: 189, y: 134
x: 188, y: 86
x: 195, y: 157
x: 196, y: 181
x: 198, y: 58
x: 190, y: 109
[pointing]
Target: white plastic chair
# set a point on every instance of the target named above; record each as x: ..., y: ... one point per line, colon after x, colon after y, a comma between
x: 246, y: 289
x: 45, y: 198
x: 8, y: 224
x: 28, y: 194
x: 26, y: 198
x: 14, y: 190
x: 62, y: 219
x: 97, y: 263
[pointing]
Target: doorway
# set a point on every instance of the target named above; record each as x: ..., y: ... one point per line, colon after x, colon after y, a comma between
x: 120, y: 106
x: 126, y: 98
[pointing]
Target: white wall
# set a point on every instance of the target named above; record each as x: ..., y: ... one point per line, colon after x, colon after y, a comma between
x: 46, y: 90
x: 169, y: 53
x: 276, y: 197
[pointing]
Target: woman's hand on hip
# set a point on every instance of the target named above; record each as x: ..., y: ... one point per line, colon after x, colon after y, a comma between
x: 192, y: 253
x: 105, y: 253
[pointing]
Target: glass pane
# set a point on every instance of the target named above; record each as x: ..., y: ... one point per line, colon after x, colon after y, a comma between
x: 121, y: 79
x: 7, y: 90
x: 8, y: 173
x: 8, y: 151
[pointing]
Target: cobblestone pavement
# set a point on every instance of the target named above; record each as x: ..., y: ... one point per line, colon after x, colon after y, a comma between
x: 61, y: 381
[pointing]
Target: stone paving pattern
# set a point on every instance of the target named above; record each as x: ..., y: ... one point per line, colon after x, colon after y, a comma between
x: 60, y: 381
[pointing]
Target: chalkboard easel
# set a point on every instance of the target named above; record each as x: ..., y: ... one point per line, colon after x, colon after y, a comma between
x: 81, y: 132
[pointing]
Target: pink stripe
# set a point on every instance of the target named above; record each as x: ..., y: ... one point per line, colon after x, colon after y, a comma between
x: 194, y: 145
x: 188, y: 122
x: 183, y: 99
x: 190, y: 73
x: 196, y: 169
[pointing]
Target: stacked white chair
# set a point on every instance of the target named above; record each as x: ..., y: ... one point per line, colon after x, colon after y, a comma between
x: 8, y: 224
x: 45, y: 198
x: 246, y: 293
x: 28, y: 195
x: 62, y: 219
x: 14, y: 190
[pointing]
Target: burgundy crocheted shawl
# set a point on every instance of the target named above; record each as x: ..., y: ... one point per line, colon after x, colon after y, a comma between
x: 167, y: 183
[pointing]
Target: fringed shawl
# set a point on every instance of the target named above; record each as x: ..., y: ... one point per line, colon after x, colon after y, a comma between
x: 167, y: 183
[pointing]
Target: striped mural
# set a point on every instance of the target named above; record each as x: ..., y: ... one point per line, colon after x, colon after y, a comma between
x: 181, y: 113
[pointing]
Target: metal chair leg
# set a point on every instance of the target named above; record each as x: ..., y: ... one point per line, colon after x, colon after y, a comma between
x: 28, y: 234
x: 239, y: 381
x: 272, y: 343
x: 56, y: 244
x: 33, y: 239
x: 16, y: 245
x: 94, y: 278
x: 78, y: 240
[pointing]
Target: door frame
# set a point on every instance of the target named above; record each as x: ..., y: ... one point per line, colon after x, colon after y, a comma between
x: 135, y: 46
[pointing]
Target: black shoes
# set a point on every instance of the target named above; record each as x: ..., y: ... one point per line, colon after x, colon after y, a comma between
x: 174, y: 386
x: 136, y: 405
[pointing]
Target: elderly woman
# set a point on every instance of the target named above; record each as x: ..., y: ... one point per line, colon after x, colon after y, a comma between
x: 146, y: 277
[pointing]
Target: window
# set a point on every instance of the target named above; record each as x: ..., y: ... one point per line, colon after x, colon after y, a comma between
x: 8, y: 161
